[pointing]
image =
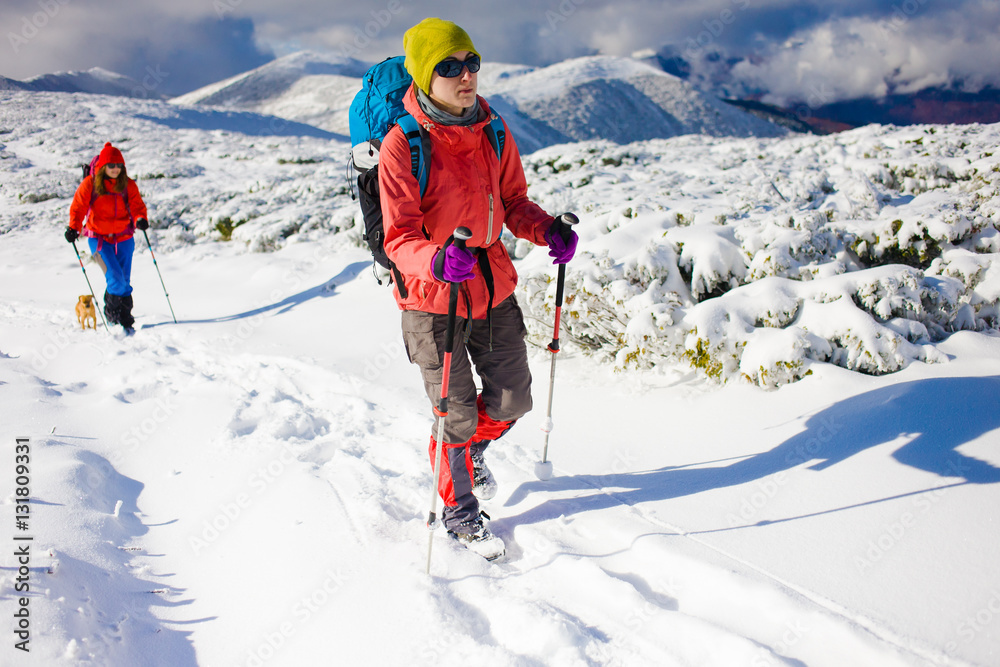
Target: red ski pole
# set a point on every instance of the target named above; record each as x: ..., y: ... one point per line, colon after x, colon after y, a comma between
x: 543, y: 469
x: 462, y: 234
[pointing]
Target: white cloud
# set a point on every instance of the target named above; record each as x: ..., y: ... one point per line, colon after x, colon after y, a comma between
x: 861, y: 57
x: 835, y: 48
x: 193, y: 47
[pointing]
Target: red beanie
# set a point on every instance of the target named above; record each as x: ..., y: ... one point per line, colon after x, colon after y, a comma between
x: 109, y: 155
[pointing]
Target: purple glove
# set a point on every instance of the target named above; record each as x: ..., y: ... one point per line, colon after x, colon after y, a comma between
x: 562, y: 242
x: 453, y: 264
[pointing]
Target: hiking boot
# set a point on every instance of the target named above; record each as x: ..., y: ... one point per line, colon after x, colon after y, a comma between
x: 111, y: 308
x: 475, y: 536
x: 484, y: 485
x: 118, y: 310
x: 125, y: 313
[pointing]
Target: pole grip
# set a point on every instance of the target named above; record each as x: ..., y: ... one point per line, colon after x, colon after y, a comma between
x: 560, y: 285
x: 568, y: 219
x: 461, y: 235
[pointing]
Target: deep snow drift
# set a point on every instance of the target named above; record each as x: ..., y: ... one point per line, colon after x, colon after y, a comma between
x: 249, y: 486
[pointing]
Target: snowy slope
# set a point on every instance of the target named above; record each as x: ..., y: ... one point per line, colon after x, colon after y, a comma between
x: 618, y: 99
x: 248, y: 486
x: 95, y: 80
x: 305, y: 86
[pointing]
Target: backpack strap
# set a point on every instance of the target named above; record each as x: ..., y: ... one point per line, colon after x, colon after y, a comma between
x: 420, y: 145
x: 420, y: 149
x: 496, y: 133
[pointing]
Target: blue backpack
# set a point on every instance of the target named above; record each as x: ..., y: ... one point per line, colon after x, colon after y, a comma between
x: 375, y: 109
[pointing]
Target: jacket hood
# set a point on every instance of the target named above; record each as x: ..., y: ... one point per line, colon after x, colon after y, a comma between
x: 108, y: 155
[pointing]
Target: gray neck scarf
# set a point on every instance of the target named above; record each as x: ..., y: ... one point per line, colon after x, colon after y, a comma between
x: 470, y: 117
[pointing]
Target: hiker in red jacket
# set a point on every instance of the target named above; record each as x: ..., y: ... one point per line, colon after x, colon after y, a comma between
x: 108, y: 201
x: 467, y: 186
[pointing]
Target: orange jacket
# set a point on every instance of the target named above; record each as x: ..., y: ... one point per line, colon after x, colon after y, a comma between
x: 467, y: 186
x: 109, y: 215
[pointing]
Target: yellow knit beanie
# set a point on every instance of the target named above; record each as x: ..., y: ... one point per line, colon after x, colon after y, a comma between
x: 428, y: 43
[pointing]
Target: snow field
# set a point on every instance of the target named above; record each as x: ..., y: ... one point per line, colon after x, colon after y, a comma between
x: 281, y: 505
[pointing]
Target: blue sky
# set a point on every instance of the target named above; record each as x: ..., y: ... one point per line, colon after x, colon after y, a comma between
x: 812, y: 51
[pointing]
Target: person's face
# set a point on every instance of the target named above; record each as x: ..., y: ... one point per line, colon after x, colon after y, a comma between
x: 112, y: 172
x: 456, y: 94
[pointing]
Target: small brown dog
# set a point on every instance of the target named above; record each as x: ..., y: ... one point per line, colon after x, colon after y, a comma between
x: 85, y: 311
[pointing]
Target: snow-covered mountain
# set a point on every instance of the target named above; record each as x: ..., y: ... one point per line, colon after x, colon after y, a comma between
x: 94, y: 80
x: 597, y: 97
x: 617, y: 99
x: 305, y: 86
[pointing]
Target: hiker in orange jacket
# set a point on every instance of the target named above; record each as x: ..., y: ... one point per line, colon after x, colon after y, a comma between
x: 467, y: 186
x: 108, y: 201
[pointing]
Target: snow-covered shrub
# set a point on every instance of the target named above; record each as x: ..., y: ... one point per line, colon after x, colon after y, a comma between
x: 623, y: 311
x: 767, y: 331
x: 787, y: 247
x: 976, y: 279
x: 719, y: 330
x: 710, y: 258
x: 756, y: 259
x: 225, y: 227
x: 773, y: 357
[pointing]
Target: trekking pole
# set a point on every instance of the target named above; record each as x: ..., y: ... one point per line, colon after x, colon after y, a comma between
x: 90, y: 287
x: 462, y: 234
x: 157, y: 267
x: 543, y: 469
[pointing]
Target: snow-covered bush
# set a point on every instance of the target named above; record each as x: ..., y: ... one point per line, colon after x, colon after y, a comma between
x: 755, y: 259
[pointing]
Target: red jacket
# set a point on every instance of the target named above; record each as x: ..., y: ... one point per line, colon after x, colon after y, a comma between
x: 109, y: 215
x: 465, y: 179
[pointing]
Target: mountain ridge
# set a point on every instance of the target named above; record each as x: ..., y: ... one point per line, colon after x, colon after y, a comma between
x: 95, y: 80
x: 595, y: 97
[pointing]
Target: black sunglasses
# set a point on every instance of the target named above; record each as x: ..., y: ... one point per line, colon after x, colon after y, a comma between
x: 116, y: 165
x: 449, y: 69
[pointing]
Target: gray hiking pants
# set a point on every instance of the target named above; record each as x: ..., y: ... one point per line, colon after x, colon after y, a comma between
x: 506, y: 381
x: 503, y: 370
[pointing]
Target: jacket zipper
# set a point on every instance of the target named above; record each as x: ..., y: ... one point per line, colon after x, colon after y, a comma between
x: 489, y: 225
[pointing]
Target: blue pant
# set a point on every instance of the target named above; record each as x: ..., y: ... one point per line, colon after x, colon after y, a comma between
x: 118, y: 262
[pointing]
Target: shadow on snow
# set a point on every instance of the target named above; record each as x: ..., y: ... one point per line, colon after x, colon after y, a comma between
x: 939, y: 415
x: 106, y: 605
x: 240, y: 122
x: 323, y: 290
